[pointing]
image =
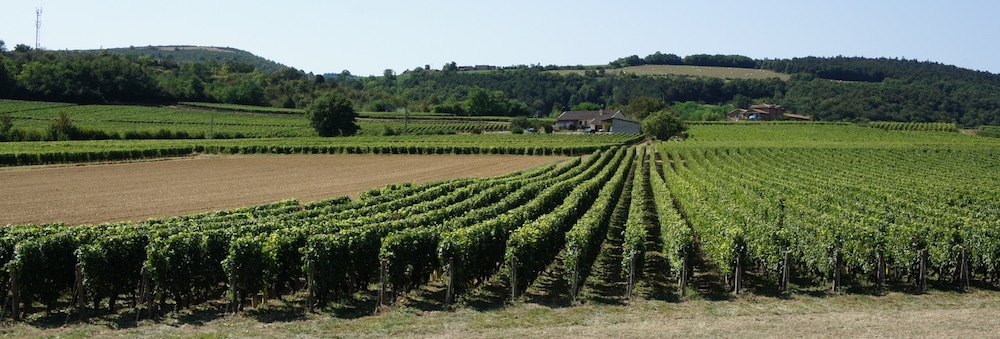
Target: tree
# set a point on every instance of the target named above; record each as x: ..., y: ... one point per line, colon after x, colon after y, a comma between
x: 519, y: 124
x: 663, y: 59
x: 288, y: 102
x: 62, y: 128
x: 586, y: 106
x: 388, y: 77
x: 3, y: 46
x: 246, y: 92
x: 640, y: 107
x: 742, y: 101
x: 514, y: 107
x: 557, y: 110
x: 6, y: 125
x: 483, y: 102
x: 6, y: 81
x: 662, y: 125
x: 332, y: 115
x: 237, y: 67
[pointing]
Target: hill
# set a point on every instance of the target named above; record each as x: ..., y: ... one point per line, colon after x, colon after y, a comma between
x: 185, y: 54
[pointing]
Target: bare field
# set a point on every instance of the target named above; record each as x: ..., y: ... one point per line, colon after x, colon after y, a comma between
x: 91, y: 194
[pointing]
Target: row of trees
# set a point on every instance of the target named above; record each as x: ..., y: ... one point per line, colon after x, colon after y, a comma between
x: 877, y: 89
x: 718, y: 60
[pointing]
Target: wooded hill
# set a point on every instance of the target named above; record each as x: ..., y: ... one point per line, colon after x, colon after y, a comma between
x: 827, y: 89
x: 184, y: 54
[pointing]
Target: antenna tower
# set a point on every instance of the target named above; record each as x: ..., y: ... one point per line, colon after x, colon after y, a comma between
x: 38, y: 26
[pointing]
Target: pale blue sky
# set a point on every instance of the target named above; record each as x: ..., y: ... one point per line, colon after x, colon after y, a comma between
x: 367, y: 37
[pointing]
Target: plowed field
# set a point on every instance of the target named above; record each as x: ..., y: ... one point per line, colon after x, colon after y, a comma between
x: 137, y: 191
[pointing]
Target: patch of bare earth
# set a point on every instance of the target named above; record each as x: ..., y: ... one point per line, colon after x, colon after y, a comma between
x: 93, y: 194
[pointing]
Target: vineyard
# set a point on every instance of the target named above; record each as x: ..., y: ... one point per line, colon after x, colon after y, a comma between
x: 914, y: 126
x: 221, y: 121
x: 427, y: 127
x: 989, y: 131
x: 333, y: 247
x: 884, y: 216
x: 61, y: 152
x: 778, y: 209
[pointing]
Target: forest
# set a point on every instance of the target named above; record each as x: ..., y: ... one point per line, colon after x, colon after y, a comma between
x: 824, y: 88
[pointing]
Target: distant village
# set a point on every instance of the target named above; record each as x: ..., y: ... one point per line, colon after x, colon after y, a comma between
x: 427, y: 68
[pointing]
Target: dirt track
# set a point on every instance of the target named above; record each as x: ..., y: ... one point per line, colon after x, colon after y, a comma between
x: 137, y: 191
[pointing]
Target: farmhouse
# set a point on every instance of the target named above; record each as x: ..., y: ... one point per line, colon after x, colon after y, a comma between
x: 477, y: 68
x: 598, y: 121
x: 763, y: 112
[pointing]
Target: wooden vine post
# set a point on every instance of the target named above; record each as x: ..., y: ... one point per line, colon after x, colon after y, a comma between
x: 631, y: 277
x: 381, y: 283
x: 311, y: 287
x: 738, y: 273
x: 81, y: 292
x: 575, y: 289
x: 513, y: 278
x: 880, y: 272
x: 922, y: 279
x: 15, y: 295
x: 6, y: 298
x: 836, y: 271
x: 234, y: 302
x: 786, y: 274
x: 964, y: 280
x: 449, y: 297
x: 682, y: 276
x: 145, y: 293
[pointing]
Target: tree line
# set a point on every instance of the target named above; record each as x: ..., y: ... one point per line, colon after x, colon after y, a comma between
x: 827, y: 89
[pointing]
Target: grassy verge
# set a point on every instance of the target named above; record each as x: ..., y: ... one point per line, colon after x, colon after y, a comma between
x: 938, y: 314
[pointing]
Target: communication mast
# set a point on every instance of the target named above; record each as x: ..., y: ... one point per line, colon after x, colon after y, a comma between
x: 38, y: 26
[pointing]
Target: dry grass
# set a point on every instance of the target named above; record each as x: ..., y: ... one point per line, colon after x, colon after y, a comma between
x: 727, y: 73
x: 938, y: 314
x: 194, y: 48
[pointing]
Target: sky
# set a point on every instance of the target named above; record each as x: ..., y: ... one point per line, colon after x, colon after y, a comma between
x: 367, y: 37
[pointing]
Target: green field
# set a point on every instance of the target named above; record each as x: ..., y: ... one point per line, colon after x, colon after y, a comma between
x: 727, y: 73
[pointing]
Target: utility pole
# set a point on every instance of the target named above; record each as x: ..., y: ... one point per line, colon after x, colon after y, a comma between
x: 38, y: 27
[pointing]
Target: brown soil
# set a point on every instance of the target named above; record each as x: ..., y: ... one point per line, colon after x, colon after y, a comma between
x: 93, y: 194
